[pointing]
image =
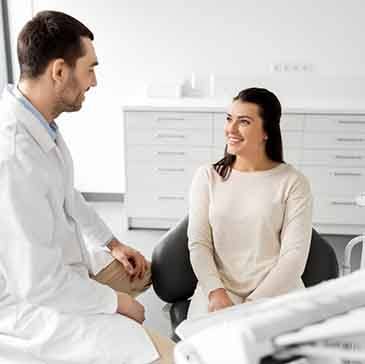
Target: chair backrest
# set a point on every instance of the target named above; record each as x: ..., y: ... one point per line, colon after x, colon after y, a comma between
x: 322, y: 263
x: 174, y: 280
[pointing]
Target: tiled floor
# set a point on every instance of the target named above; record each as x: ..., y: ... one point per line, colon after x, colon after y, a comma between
x: 113, y: 214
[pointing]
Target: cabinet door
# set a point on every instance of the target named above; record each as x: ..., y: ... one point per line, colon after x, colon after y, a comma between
x: 162, y: 205
x: 331, y: 140
x: 338, y: 157
x: 219, y: 139
x: 161, y: 177
x: 291, y: 122
x: 167, y: 154
x: 333, y: 123
x: 181, y: 137
x: 167, y: 120
x: 335, y: 180
x: 337, y: 210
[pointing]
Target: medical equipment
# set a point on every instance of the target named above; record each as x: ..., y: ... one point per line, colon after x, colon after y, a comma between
x: 360, y: 201
x: 323, y: 324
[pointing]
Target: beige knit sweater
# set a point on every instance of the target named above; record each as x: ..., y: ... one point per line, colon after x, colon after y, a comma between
x: 250, y: 234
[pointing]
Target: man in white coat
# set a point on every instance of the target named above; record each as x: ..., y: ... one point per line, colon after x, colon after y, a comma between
x: 58, y: 303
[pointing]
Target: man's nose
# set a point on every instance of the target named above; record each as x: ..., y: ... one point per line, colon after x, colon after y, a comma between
x: 93, y: 82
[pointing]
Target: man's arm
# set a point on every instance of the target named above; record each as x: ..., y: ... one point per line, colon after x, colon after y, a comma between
x: 29, y: 257
x: 93, y: 226
x: 99, y: 235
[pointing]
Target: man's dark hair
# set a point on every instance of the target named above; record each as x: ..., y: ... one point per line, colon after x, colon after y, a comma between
x: 47, y: 36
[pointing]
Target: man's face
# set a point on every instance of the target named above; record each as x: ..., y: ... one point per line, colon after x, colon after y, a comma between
x: 80, y: 79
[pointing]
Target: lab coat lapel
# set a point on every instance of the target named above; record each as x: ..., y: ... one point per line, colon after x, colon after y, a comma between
x: 66, y: 160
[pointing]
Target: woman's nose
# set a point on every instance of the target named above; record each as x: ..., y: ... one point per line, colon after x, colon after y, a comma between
x: 232, y: 127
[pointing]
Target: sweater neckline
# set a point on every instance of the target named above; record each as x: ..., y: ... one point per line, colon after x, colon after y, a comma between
x: 266, y: 172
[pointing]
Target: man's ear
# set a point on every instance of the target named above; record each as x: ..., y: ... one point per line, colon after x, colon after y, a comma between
x: 59, y: 70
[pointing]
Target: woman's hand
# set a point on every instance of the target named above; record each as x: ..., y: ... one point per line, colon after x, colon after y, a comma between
x: 218, y: 299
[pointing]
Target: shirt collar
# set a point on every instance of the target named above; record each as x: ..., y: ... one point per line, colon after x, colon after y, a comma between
x: 50, y: 127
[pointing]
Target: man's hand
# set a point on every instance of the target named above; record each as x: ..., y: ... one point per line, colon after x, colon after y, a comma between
x: 133, y: 261
x: 130, y: 307
x: 219, y: 299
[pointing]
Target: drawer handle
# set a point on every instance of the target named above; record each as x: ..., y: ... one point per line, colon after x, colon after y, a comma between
x: 352, y: 122
x: 175, y: 198
x: 359, y: 157
x: 343, y: 203
x: 170, y: 153
x: 177, y: 136
x: 347, y: 174
x: 350, y: 139
x: 170, y: 169
x: 169, y: 119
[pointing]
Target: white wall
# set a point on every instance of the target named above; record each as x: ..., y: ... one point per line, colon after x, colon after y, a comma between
x: 141, y: 42
x: 3, y: 66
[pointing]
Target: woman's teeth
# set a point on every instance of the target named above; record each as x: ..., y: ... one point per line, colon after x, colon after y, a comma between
x: 234, y: 140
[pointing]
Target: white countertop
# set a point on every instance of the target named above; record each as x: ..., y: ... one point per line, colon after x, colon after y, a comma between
x: 214, y: 105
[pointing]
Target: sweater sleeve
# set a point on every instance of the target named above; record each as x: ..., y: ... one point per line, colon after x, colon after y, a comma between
x: 295, y: 242
x: 200, y: 234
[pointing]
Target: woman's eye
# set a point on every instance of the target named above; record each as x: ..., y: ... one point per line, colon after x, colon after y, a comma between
x: 228, y: 119
x: 245, y: 122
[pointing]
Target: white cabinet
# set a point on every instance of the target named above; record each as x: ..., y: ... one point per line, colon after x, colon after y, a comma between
x: 334, y: 162
x: 164, y: 147
x: 163, y: 150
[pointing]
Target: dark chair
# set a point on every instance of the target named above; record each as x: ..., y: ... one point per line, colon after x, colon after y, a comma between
x: 174, y: 280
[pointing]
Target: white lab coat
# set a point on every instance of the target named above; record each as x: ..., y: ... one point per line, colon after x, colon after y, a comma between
x: 50, y: 310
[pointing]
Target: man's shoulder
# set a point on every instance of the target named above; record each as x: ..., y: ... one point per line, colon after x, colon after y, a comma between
x: 8, y: 132
x: 16, y: 143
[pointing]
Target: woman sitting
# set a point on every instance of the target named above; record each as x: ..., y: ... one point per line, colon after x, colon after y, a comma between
x: 250, y: 215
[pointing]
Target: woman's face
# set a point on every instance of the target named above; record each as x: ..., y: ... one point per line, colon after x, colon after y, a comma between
x: 243, y: 129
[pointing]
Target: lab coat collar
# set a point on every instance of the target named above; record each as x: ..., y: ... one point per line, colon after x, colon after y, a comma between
x: 31, y: 123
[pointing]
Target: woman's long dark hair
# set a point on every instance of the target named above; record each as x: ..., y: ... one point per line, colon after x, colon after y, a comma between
x: 270, y: 113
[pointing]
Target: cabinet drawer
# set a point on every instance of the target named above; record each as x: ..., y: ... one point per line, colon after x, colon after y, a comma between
x: 157, y: 205
x: 219, y: 119
x: 332, y: 180
x: 217, y: 154
x: 334, y: 140
x: 160, y: 177
x: 293, y: 156
x: 170, y: 137
x: 292, y: 139
x: 337, y: 210
x: 167, y: 120
x: 164, y: 153
x: 348, y: 123
x: 219, y: 139
x: 292, y: 122
x: 342, y: 158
